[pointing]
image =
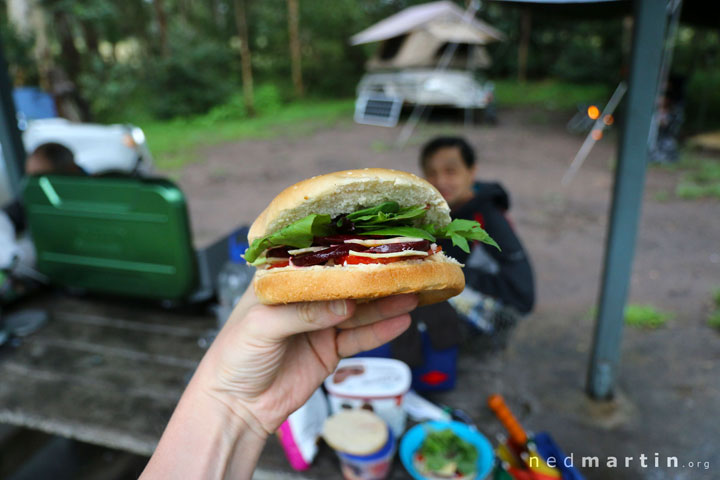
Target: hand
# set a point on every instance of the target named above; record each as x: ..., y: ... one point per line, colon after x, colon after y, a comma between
x: 268, y: 360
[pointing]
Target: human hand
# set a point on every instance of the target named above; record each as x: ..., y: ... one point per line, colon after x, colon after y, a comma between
x: 268, y: 360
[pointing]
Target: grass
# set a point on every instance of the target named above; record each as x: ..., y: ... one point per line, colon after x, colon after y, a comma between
x: 174, y: 143
x: 641, y: 316
x: 645, y: 316
x: 700, y: 175
x: 714, y: 317
x: 549, y: 94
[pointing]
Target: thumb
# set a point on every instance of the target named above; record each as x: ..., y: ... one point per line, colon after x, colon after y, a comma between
x: 278, y: 322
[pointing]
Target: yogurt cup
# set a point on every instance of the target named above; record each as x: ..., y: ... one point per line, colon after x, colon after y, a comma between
x: 369, y: 467
x: 375, y: 384
x: 363, y: 442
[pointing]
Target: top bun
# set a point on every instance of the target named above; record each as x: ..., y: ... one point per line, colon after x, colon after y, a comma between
x: 344, y: 192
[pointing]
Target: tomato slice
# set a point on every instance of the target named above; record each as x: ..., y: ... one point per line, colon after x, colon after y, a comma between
x: 279, y: 264
x: 358, y: 260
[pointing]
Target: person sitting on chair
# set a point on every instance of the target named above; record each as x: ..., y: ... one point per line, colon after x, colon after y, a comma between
x: 15, y: 247
x: 497, y: 281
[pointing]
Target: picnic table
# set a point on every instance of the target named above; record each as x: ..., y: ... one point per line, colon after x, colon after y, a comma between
x: 110, y: 372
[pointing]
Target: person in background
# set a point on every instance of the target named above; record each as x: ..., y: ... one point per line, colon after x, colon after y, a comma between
x: 16, y: 249
x: 499, y: 283
x: 264, y: 364
x: 47, y: 159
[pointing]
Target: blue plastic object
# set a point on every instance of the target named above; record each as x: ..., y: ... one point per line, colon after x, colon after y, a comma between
x: 33, y: 103
x: 237, y: 244
x: 547, y: 448
x: 383, y: 351
x: 413, y: 439
x: 439, y: 372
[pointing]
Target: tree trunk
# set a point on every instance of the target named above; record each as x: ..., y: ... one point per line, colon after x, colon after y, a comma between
x: 525, y: 23
x: 247, y: 80
x: 295, y: 55
x: 162, y: 25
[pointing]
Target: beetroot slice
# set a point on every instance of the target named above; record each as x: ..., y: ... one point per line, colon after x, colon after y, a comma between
x: 278, y: 252
x: 400, y: 247
x: 323, y: 256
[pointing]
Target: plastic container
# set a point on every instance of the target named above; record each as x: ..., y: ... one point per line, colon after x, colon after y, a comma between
x: 369, y: 467
x: 375, y: 384
x: 439, y: 370
x: 363, y: 442
x: 234, y: 277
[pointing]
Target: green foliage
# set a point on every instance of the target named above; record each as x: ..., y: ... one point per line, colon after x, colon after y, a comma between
x: 18, y: 53
x: 714, y: 319
x: 118, y: 63
x: 549, y: 94
x: 645, y: 316
x: 700, y: 179
x: 173, y: 143
x: 193, y: 78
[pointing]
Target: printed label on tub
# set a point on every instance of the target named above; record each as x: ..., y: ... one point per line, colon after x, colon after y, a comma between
x: 376, y: 384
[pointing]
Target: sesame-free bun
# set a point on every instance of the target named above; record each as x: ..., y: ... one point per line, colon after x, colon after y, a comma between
x: 435, y: 278
x: 344, y: 192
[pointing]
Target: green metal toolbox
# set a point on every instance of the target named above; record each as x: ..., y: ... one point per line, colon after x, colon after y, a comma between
x: 127, y: 236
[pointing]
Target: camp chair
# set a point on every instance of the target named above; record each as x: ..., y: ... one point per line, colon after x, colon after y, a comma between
x: 125, y: 236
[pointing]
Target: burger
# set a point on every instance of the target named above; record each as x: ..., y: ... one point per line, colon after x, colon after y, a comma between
x: 358, y: 234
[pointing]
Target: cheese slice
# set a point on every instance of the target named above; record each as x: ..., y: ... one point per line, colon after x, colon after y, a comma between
x: 306, y: 250
x: 404, y: 253
x: 373, y: 242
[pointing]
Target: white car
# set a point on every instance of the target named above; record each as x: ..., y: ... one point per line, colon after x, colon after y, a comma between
x: 97, y: 148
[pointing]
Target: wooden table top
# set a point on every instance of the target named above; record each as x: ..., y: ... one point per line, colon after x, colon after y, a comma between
x: 109, y: 372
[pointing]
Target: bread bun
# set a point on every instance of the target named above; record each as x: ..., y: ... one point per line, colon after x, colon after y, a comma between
x: 344, y: 192
x: 435, y: 278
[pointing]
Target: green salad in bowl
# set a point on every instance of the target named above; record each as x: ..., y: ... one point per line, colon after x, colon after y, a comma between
x: 444, y: 455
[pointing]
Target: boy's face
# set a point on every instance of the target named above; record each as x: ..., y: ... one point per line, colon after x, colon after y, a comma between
x: 448, y: 173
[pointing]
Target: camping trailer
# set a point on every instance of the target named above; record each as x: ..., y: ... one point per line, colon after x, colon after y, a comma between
x: 408, y: 63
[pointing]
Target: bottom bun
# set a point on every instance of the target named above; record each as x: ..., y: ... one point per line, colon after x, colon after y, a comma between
x: 435, y: 279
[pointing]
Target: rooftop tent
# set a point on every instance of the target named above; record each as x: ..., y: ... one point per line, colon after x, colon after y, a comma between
x: 416, y: 37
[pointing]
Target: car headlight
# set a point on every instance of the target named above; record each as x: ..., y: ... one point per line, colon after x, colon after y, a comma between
x: 138, y: 135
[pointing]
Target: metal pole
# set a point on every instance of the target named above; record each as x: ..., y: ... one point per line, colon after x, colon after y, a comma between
x: 648, y: 42
x: 13, y: 150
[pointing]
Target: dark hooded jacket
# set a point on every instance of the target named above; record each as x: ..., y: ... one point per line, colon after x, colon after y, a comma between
x: 502, y: 274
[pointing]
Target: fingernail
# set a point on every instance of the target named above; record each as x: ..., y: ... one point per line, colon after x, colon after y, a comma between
x: 338, y: 307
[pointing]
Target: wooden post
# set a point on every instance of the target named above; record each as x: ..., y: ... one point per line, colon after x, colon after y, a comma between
x: 295, y: 52
x: 246, y: 65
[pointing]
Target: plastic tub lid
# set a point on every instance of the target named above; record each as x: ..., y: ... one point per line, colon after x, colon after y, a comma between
x: 369, y: 378
x: 356, y: 432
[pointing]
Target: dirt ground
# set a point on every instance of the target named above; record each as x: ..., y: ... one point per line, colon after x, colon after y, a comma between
x: 668, y: 390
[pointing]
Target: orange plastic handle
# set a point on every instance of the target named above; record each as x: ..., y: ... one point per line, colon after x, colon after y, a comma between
x: 517, y: 434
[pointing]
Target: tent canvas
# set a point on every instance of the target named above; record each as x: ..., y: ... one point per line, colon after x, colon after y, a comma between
x: 417, y: 36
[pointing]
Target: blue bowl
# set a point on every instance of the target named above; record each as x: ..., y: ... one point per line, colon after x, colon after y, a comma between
x: 413, y: 439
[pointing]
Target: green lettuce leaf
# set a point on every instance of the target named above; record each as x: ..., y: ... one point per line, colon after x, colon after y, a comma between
x: 299, y: 235
x: 388, y: 218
